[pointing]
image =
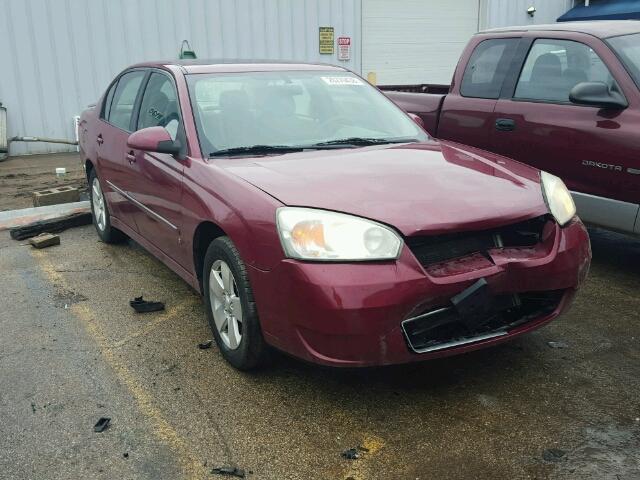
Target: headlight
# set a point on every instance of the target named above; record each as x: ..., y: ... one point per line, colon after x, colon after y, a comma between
x: 558, y: 198
x: 310, y: 234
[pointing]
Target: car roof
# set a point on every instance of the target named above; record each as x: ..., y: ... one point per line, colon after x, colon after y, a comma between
x: 238, y: 65
x: 597, y: 28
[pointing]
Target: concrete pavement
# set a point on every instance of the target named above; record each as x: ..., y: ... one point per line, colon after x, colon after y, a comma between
x: 72, y: 350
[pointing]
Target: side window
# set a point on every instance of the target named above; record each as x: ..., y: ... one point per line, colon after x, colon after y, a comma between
x: 554, y: 67
x: 124, y: 99
x: 487, y: 68
x: 160, y: 105
x: 106, y: 106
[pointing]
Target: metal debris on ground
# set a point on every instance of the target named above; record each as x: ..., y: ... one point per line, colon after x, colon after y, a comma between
x: 229, y: 471
x: 102, y: 424
x: 143, y: 306
x: 553, y: 454
x: 44, y: 240
x: 557, y: 344
x: 205, y: 345
x: 351, y: 454
x: 53, y: 225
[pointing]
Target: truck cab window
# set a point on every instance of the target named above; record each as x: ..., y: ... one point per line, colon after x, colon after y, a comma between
x: 487, y: 68
x: 554, y: 67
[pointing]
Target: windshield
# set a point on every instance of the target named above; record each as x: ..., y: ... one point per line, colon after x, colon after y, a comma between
x: 280, y: 109
x: 628, y: 49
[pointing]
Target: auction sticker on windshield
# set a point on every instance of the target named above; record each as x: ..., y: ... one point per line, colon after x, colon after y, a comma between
x: 342, y: 81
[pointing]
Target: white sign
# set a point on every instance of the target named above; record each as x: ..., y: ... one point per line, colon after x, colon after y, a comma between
x: 344, y: 48
x: 342, y: 81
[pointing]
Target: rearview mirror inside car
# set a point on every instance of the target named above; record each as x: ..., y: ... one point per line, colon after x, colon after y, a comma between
x: 153, y: 139
x: 597, y: 94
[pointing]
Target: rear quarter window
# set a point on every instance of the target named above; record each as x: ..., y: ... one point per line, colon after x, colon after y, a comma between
x: 487, y: 68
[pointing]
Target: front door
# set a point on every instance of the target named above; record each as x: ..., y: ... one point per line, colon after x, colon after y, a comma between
x: 583, y: 145
x: 154, y: 180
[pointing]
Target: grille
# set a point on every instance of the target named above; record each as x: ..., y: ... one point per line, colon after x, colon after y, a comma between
x: 434, y: 249
x: 444, y: 328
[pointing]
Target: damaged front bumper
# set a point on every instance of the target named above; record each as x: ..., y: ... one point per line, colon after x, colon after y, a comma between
x: 364, y: 314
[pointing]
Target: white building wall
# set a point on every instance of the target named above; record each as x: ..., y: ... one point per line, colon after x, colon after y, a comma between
x: 57, y: 56
x: 506, y: 13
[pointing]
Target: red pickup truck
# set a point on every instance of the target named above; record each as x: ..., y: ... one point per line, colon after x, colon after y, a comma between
x: 563, y: 98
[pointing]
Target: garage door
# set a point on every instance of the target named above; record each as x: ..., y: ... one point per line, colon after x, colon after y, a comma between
x: 415, y: 41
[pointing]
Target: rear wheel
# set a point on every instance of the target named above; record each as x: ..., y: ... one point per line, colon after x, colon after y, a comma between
x: 231, y: 309
x: 100, y: 211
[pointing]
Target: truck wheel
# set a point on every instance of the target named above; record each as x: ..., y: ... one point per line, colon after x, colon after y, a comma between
x: 231, y: 309
x: 100, y: 211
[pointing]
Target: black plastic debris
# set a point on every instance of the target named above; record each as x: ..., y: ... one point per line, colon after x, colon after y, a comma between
x: 553, y: 454
x: 143, y: 306
x: 229, y: 472
x: 205, y: 345
x: 557, y: 344
x: 351, y: 454
x: 125, y: 455
x: 102, y: 424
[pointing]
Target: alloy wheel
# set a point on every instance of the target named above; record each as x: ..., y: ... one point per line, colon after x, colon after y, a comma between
x: 99, y: 210
x: 225, y: 304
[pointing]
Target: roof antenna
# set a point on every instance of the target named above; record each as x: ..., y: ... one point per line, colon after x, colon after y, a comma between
x: 187, y: 54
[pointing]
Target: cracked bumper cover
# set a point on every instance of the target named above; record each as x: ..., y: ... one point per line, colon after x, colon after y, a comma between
x: 351, y: 314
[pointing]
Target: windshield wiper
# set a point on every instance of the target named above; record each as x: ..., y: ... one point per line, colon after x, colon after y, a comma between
x: 363, y: 141
x: 256, y: 150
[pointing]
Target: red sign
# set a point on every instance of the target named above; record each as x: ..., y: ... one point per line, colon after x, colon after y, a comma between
x: 344, y: 48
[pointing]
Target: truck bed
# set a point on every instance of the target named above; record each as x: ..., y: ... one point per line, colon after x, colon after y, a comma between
x: 426, y: 105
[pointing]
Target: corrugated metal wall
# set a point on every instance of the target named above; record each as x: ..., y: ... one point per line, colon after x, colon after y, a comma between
x: 504, y: 13
x: 57, y: 56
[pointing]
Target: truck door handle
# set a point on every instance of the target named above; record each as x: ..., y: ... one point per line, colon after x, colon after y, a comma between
x: 131, y: 157
x: 100, y: 140
x: 505, y: 125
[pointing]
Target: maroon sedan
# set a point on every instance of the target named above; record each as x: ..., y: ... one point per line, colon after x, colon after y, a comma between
x: 318, y: 218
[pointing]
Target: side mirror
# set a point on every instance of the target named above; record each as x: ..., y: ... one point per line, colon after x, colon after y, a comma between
x: 153, y: 139
x: 597, y: 94
x: 417, y: 119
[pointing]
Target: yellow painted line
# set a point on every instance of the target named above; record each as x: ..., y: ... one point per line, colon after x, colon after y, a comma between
x: 361, y: 469
x: 191, y: 465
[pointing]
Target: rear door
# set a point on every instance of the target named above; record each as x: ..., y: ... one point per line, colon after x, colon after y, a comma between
x: 154, y: 180
x: 112, y: 133
x: 583, y: 145
x: 467, y: 111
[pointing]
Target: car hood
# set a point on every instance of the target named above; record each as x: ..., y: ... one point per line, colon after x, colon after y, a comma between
x: 424, y: 188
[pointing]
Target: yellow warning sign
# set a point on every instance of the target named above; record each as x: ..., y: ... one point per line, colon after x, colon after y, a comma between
x: 326, y: 40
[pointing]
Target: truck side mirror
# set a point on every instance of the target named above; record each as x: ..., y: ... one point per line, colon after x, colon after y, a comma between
x: 597, y: 94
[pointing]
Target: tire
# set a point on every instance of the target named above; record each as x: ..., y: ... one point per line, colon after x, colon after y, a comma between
x: 100, y: 212
x: 222, y: 300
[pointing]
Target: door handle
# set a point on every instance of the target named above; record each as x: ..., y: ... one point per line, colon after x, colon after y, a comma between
x: 505, y: 124
x: 131, y: 158
x: 100, y: 140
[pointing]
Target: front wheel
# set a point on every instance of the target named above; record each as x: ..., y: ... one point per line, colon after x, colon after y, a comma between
x: 100, y: 211
x: 231, y: 309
